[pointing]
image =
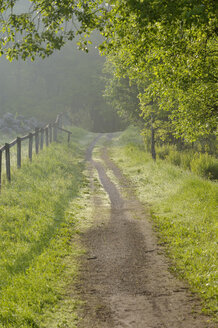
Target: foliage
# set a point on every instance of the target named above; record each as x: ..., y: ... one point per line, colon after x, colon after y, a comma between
x: 38, y: 27
x: 120, y: 93
x: 174, y: 158
x: 205, y: 165
x: 201, y: 164
x: 167, y: 49
x: 184, y: 210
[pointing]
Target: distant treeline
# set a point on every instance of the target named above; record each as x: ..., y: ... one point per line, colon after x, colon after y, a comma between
x: 69, y: 81
x: 160, y: 68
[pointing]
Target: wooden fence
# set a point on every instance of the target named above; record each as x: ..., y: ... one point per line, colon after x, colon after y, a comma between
x: 41, y: 136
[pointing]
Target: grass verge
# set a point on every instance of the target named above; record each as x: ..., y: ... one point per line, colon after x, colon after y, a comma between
x: 40, y: 212
x: 203, y: 165
x: 184, y: 209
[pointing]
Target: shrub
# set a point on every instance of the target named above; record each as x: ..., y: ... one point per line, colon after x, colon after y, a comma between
x: 174, y: 157
x: 205, y: 166
x: 162, y: 152
x: 186, y: 158
x: 212, y: 171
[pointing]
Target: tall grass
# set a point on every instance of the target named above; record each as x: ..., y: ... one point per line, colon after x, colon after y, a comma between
x: 36, y: 231
x: 201, y: 164
x: 184, y: 210
x: 13, y: 155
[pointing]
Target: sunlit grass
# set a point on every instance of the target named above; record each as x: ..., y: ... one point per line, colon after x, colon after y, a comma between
x: 201, y: 164
x: 184, y: 209
x: 46, y: 205
x: 39, y: 214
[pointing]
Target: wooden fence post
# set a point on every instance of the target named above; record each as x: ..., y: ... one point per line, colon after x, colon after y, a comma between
x: 8, y: 162
x: 55, y: 132
x: 18, y: 153
x: 0, y: 170
x: 37, y: 140
x: 68, y: 139
x: 60, y: 122
x: 46, y: 136
x: 30, y: 146
x: 42, y: 138
x: 50, y: 133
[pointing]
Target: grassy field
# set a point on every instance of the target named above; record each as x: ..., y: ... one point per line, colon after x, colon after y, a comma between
x: 40, y: 212
x: 48, y: 204
x: 183, y: 209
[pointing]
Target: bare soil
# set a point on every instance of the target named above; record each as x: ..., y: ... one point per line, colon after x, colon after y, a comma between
x: 124, y: 278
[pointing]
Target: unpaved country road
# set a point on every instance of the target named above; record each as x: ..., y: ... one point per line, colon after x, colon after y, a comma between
x: 125, y: 279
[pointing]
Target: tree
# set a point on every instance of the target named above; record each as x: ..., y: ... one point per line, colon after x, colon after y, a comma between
x: 169, y: 45
x: 38, y: 27
x: 120, y: 93
x: 172, y: 46
x: 128, y: 99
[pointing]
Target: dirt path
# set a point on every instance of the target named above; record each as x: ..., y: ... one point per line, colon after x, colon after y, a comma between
x: 125, y: 280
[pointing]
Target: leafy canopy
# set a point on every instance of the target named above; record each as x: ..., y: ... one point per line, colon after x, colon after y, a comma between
x: 168, y: 48
x: 38, y: 27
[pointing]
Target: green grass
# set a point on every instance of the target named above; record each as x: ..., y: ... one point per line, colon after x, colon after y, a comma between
x: 13, y: 155
x: 47, y: 205
x: 184, y: 210
x: 40, y: 212
x: 201, y: 164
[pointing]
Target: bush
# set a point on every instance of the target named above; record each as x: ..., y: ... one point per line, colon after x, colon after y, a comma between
x: 212, y: 171
x: 186, y: 158
x: 174, y: 157
x: 162, y: 152
x: 205, y: 166
x: 131, y: 135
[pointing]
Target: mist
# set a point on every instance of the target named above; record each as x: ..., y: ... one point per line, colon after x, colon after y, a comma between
x: 69, y: 81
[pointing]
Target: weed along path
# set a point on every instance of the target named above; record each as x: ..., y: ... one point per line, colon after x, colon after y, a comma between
x: 124, y: 277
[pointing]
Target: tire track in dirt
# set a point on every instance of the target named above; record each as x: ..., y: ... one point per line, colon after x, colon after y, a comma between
x: 125, y: 279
